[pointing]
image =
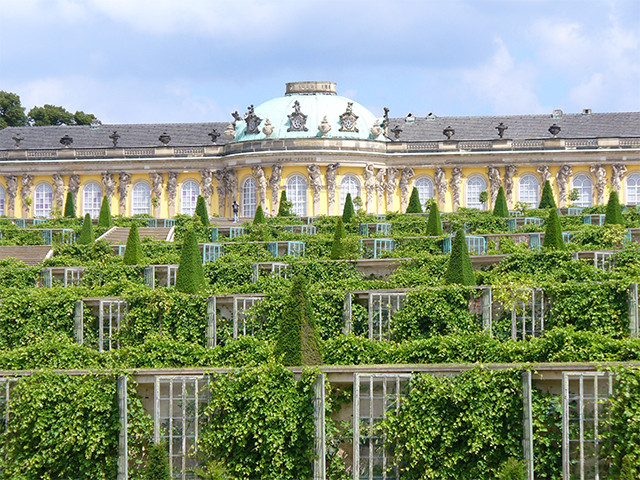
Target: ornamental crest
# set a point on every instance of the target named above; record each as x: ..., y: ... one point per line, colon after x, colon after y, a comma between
x: 297, y: 120
x: 252, y: 121
x: 348, y: 120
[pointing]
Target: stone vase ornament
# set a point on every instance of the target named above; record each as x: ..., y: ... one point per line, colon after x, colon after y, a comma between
x: 324, y: 127
x: 267, y: 129
x: 375, y: 131
x: 230, y: 132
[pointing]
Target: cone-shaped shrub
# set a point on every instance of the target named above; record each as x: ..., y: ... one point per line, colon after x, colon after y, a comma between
x: 86, y: 234
x: 434, y: 225
x: 105, y: 220
x: 614, y: 211
x: 501, y: 209
x: 69, y: 206
x: 284, y: 209
x: 190, y: 276
x: 553, y: 232
x: 460, y: 270
x: 547, y: 200
x: 337, y: 249
x: 297, y: 340
x: 133, y: 250
x: 348, y: 211
x: 201, y: 211
x: 414, y: 202
x: 258, y: 217
x: 157, y: 467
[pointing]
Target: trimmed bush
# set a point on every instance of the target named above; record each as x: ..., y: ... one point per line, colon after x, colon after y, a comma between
x: 284, y: 208
x: 414, y: 202
x: 157, y: 467
x: 348, y: 211
x: 546, y: 200
x: 337, y: 248
x: 201, y: 211
x: 553, y: 232
x: 434, y: 225
x: 190, y: 276
x: 501, y: 209
x: 133, y: 250
x: 460, y: 270
x: 105, y: 220
x: 613, y: 214
x: 258, y: 217
x: 69, y: 206
x: 86, y: 234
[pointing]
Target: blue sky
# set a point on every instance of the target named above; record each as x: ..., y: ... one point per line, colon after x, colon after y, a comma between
x: 156, y: 61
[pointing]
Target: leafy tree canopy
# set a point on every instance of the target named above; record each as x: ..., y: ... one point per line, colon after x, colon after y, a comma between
x: 11, y: 111
x: 54, y: 115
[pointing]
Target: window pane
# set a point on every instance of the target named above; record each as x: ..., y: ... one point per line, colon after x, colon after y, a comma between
x: 424, y: 185
x: 1, y: 200
x: 475, y: 185
x: 249, y: 198
x: 189, y: 198
x: 91, y: 200
x: 297, y: 194
x: 43, y: 200
x: 584, y: 185
x: 349, y: 184
x: 529, y: 188
x: 141, y: 199
x: 633, y: 189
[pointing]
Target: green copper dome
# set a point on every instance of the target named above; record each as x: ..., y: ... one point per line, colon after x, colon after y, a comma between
x: 309, y: 110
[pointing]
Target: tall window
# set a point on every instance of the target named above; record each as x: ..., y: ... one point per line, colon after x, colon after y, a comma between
x: 189, y: 197
x: 584, y: 185
x: 91, y: 199
x: 633, y: 189
x: 249, y: 197
x: 475, y: 185
x: 1, y: 200
x: 141, y: 199
x: 43, y: 200
x: 297, y: 194
x: 529, y: 188
x: 424, y: 185
x: 349, y: 184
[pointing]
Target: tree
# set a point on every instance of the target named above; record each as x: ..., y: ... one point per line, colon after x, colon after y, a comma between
x: 157, y: 467
x: 81, y: 118
x: 546, y: 200
x: 69, y: 206
x: 613, y: 214
x: 284, y: 209
x: 501, y: 209
x: 190, y: 276
x: 460, y: 270
x: 434, y: 225
x: 337, y: 248
x: 11, y: 111
x: 54, y: 115
x: 258, y: 217
x: 133, y: 250
x: 414, y: 202
x: 348, y: 211
x: 201, y: 211
x: 86, y: 234
x: 297, y: 341
x: 553, y: 232
x: 105, y: 220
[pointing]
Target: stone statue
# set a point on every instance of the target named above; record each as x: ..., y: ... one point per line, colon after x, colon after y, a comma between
x: 230, y: 177
x: 274, y: 184
x: 109, y: 184
x: 369, y: 185
x: 332, y: 170
x: 562, y: 177
x: 600, y: 172
x: 25, y: 193
x: 74, y: 185
x: 222, y: 191
x: 390, y: 186
x: 156, y: 191
x: 405, y: 177
x: 124, y: 180
x: 315, y: 182
x: 58, y: 189
x: 456, y: 178
x: 380, y: 188
x: 617, y: 172
x: 510, y: 171
x: 545, y: 173
x: 12, y: 191
x: 441, y: 186
x: 494, y: 183
x: 172, y: 189
x: 207, y: 187
x: 261, y: 181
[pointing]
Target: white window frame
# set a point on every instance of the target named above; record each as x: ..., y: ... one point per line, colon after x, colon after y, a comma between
x: 249, y: 197
x: 188, y: 200
x: 470, y: 190
x: 583, y: 182
x: 633, y: 189
x: 141, y: 199
x: 425, y: 188
x: 297, y: 194
x: 349, y: 184
x: 2, y: 200
x: 382, y: 307
x: 91, y: 202
x: 526, y: 191
x: 42, y: 200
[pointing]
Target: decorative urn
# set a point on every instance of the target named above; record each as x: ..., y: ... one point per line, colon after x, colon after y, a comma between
x: 267, y: 129
x: 230, y: 132
x: 375, y: 130
x: 324, y: 126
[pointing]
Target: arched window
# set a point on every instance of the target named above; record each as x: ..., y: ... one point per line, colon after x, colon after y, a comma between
x: 349, y: 184
x: 475, y: 185
x: 2, y: 200
x: 529, y: 191
x: 297, y: 194
x: 584, y: 185
x: 249, y: 197
x: 424, y: 185
x: 91, y: 200
x: 141, y: 199
x: 633, y: 189
x: 43, y: 200
x: 189, y: 197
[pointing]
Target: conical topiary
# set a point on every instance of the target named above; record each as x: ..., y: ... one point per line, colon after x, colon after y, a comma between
x: 86, y: 234
x: 348, y: 211
x: 460, y: 271
x: 201, y: 211
x: 157, y: 467
x: 105, y: 220
x: 133, y: 250
x: 258, y: 217
x: 434, y: 225
x: 547, y: 200
x: 553, y: 232
x: 414, y: 202
x: 190, y: 276
x: 69, y: 206
x: 614, y: 210
x: 337, y: 248
x: 284, y: 208
x: 501, y: 209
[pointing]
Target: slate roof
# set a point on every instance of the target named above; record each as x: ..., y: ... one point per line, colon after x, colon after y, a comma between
x: 595, y: 125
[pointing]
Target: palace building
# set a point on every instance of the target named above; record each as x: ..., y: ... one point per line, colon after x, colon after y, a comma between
x: 319, y: 146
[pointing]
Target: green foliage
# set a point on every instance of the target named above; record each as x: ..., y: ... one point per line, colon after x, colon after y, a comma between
x: 553, y: 232
x: 546, y: 199
x: 87, y: 236
x: 105, y: 220
x: 69, y: 206
x: 11, y: 111
x: 284, y: 208
x: 133, y: 250
x: 484, y: 196
x: 54, y: 115
x: 460, y: 270
x: 613, y: 215
x: 157, y: 467
x: 512, y: 469
x: 348, y: 212
x: 501, y: 209
x: 190, y: 276
x: 337, y: 248
x: 258, y: 218
x: 434, y: 225
x: 201, y: 211
x: 414, y: 202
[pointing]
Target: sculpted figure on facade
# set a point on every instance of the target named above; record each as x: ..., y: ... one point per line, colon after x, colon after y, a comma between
x: 405, y: 177
x: 332, y: 170
x: 563, y: 177
x: 391, y: 185
x: 26, y: 184
x: 12, y: 191
x: 206, y: 183
x: 261, y: 181
x: 156, y: 190
x: 617, y: 172
x: 172, y: 189
x: 545, y: 173
x: 230, y: 184
x: 510, y: 171
x: 441, y: 186
x: 74, y: 184
x: 222, y: 191
x: 600, y: 172
x: 58, y: 189
x: 369, y: 184
x: 315, y: 182
x: 494, y: 183
x: 124, y: 180
x: 454, y: 183
x: 380, y: 187
x: 274, y: 184
x: 108, y: 184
